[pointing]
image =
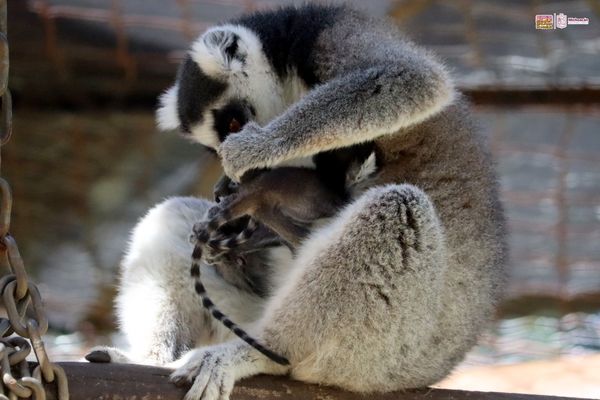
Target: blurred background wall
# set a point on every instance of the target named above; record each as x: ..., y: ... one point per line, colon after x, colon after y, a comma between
x: 86, y: 162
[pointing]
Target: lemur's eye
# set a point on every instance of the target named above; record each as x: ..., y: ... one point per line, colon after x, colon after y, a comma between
x: 234, y: 126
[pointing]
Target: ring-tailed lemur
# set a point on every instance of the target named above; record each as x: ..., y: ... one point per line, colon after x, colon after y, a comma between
x: 399, y: 282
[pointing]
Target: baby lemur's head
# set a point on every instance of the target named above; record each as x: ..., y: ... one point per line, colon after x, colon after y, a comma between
x: 224, y: 81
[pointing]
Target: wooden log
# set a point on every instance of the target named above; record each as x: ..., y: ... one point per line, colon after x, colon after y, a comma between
x: 135, y: 382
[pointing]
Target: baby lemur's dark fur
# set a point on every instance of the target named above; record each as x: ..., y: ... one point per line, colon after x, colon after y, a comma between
x: 286, y: 199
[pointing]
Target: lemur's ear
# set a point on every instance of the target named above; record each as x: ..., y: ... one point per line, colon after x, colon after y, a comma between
x: 217, y: 52
x: 166, y: 115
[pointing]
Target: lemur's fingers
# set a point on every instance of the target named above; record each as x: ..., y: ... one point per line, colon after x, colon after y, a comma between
x: 226, y: 258
x: 261, y: 238
x: 213, y: 254
x: 215, y: 248
x: 226, y: 243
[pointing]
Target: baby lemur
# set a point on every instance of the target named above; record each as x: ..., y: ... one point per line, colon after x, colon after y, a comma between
x: 399, y: 282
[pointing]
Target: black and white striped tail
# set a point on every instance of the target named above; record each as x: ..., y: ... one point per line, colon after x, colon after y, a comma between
x: 218, y: 315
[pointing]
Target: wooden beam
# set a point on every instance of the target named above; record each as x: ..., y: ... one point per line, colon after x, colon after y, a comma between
x: 135, y: 382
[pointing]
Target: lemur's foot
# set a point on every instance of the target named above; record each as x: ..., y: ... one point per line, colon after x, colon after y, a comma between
x: 105, y: 354
x: 211, y: 370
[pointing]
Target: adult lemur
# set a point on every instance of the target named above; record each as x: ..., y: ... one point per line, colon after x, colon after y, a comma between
x: 391, y: 292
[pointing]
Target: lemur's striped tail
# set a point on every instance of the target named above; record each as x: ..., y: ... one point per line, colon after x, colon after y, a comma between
x: 218, y: 315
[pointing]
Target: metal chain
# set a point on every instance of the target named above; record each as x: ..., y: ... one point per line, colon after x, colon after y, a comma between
x: 20, y: 297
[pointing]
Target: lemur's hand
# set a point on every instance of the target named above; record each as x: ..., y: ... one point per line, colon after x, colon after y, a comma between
x: 209, y: 243
x: 249, y: 149
x: 220, y: 236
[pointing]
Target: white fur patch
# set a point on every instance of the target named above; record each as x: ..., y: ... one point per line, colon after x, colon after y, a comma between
x: 204, y: 132
x: 166, y: 114
x: 257, y: 81
x: 209, y: 52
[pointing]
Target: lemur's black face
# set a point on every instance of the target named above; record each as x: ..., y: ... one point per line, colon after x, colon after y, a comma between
x: 232, y: 117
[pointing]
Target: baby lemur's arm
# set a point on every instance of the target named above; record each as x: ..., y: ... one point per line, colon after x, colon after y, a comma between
x: 286, y: 199
x: 379, y: 92
x: 227, y: 247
